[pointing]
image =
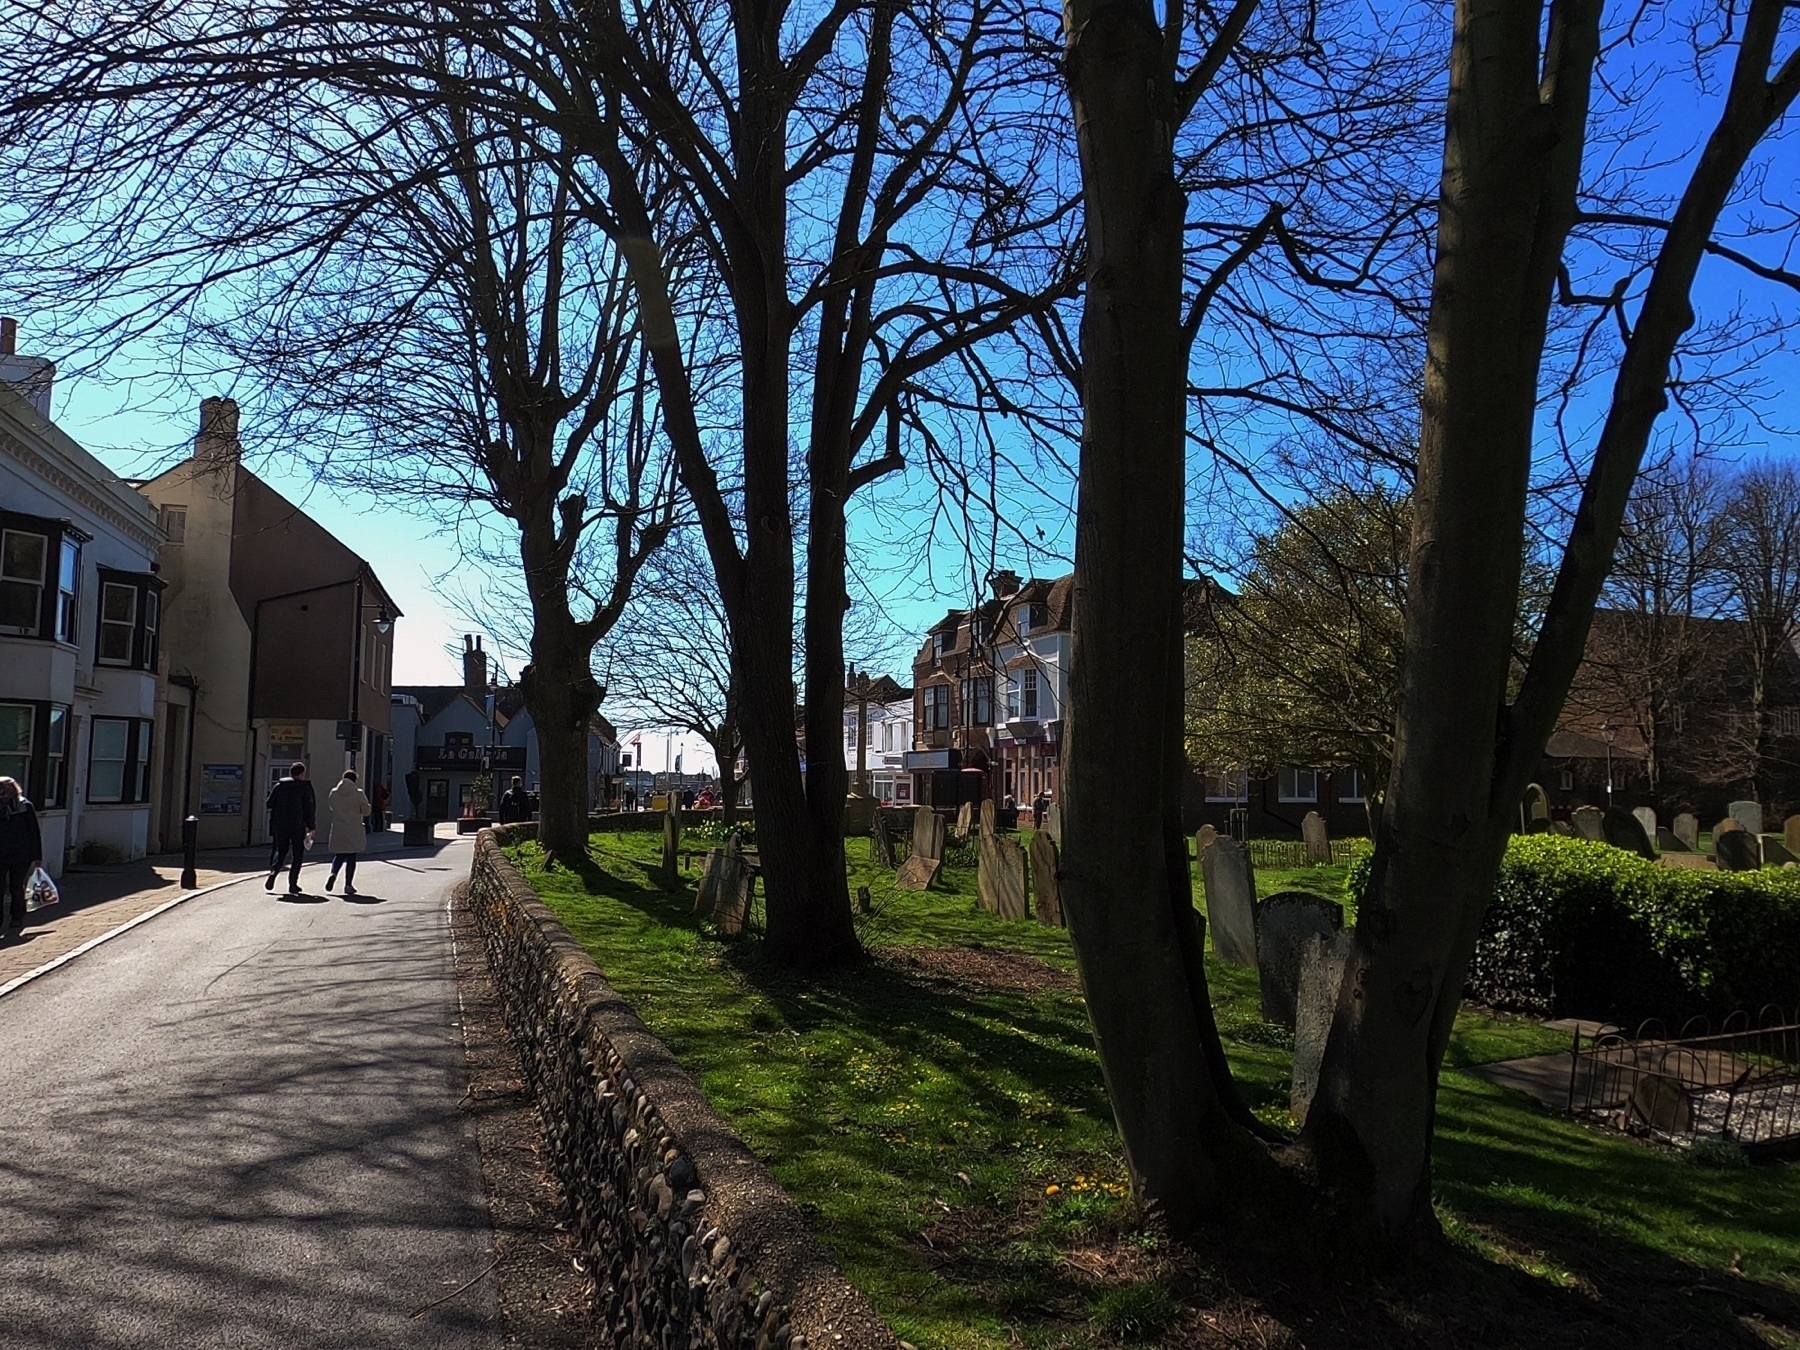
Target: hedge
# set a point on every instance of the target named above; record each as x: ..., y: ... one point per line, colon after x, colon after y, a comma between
x: 1582, y: 929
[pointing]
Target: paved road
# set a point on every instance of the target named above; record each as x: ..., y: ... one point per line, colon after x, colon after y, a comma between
x: 238, y: 1125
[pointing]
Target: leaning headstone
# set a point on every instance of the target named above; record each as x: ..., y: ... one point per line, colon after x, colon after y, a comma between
x: 1775, y: 852
x: 1316, y: 837
x: 1230, y: 884
x: 928, y: 833
x: 1725, y: 826
x: 1647, y: 818
x: 1283, y: 923
x: 1000, y: 884
x: 1322, y: 961
x: 884, y: 842
x: 1747, y: 814
x: 987, y: 818
x: 1667, y: 841
x: 964, y: 820
x: 916, y: 872
x: 1687, y: 829
x: 1203, y: 839
x: 671, y: 877
x: 1623, y: 830
x: 1737, y: 851
x: 1790, y: 835
x: 1052, y: 823
x: 705, y: 894
x: 1563, y: 828
x: 1587, y: 822
x: 731, y: 891
x: 859, y: 816
x: 1534, y: 811
x: 1044, y: 885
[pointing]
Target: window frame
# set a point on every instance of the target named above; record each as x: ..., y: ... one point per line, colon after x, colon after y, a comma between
x: 46, y: 538
x: 1281, y: 788
x: 47, y: 750
x: 68, y: 598
x: 167, y: 515
x: 134, y: 768
x: 1037, y: 615
x: 1358, y: 793
x: 977, y: 698
x: 936, y: 710
x: 1225, y: 779
x: 145, y: 630
x: 1028, y: 695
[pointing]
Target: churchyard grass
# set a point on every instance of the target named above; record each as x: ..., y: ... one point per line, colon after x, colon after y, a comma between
x: 939, y: 1116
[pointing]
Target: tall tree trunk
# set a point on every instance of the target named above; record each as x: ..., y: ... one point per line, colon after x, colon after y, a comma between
x: 562, y: 697
x: 1125, y: 881
x: 724, y: 744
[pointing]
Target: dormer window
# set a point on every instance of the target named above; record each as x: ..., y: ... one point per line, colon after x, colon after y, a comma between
x: 1037, y: 616
x: 939, y: 641
x: 978, y: 631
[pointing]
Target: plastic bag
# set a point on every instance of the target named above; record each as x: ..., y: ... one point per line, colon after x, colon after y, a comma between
x: 40, y: 892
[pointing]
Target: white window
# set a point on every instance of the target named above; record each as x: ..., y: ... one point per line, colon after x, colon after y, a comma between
x: 978, y: 631
x: 56, y: 773
x: 118, y: 622
x: 850, y: 734
x: 68, y: 587
x: 109, y: 760
x: 938, y: 645
x: 1297, y: 785
x: 23, y: 558
x: 1350, y: 787
x: 1028, y: 694
x: 173, y: 520
x: 1230, y: 786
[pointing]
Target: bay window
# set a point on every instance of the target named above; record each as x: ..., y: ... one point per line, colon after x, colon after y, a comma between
x: 34, y: 748
x: 119, y: 760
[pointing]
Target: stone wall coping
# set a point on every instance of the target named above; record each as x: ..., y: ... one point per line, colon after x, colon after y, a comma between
x: 766, y: 1229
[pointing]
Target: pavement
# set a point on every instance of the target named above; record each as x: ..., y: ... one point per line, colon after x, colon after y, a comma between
x: 237, y: 1123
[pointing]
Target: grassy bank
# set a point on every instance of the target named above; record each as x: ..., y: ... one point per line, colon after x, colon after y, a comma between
x: 940, y: 1116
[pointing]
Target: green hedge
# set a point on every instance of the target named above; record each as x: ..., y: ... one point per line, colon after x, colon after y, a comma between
x: 1584, y: 929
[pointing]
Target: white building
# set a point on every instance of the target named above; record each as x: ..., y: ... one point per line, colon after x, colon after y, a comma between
x: 82, y: 725
x: 890, y: 737
x: 1031, y: 663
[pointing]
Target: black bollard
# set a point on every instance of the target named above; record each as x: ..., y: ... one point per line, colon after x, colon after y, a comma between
x: 190, y: 840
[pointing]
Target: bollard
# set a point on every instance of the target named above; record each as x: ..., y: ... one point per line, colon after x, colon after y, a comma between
x: 190, y: 840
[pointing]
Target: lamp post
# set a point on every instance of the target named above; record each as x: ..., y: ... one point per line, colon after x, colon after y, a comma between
x: 1607, y: 732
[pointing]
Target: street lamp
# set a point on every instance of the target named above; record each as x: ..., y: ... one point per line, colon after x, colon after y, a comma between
x: 1607, y: 732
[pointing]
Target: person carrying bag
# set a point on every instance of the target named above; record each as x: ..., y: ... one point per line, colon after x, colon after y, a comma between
x: 345, y: 808
x: 21, y: 855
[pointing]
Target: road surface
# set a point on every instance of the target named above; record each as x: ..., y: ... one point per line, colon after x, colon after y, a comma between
x: 238, y: 1125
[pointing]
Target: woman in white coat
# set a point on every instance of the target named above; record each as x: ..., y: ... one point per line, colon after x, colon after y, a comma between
x: 345, y: 809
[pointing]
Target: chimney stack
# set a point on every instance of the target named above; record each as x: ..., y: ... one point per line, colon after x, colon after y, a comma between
x: 217, y: 443
x: 28, y: 376
x: 474, y: 667
x: 9, y: 337
x: 1005, y: 583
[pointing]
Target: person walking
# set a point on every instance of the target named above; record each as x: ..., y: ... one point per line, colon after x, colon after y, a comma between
x: 293, y: 818
x: 515, y: 802
x: 21, y: 854
x: 345, y: 808
x: 379, y: 799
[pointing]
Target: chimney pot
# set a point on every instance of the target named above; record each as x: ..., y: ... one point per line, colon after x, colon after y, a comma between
x: 1005, y: 583
x: 9, y: 337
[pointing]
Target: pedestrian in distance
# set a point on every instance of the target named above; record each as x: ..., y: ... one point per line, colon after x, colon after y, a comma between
x: 379, y: 799
x: 345, y: 807
x: 293, y: 819
x: 515, y: 802
x: 21, y: 854
x: 630, y: 799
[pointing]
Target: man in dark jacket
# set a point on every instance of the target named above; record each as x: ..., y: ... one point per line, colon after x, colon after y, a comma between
x: 515, y: 802
x: 293, y: 816
x: 21, y: 854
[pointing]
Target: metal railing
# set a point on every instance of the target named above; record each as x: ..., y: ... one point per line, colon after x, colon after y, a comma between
x: 1740, y: 1083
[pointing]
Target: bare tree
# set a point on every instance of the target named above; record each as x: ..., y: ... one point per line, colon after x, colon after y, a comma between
x: 1759, y: 558
x: 1522, y: 82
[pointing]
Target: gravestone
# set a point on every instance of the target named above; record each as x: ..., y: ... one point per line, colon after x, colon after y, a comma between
x: 916, y: 873
x: 1737, y: 850
x: 1000, y: 883
x: 1534, y: 811
x: 705, y: 892
x: 928, y: 833
x: 1563, y: 828
x: 865, y: 903
x: 1322, y: 961
x: 987, y: 818
x: 671, y: 878
x: 1667, y: 841
x: 1647, y: 818
x: 1203, y: 838
x: 964, y: 820
x: 1052, y: 823
x: 1316, y: 837
x: 1790, y: 835
x: 1747, y: 814
x: 1230, y: 901
x: 1687, y: 829
x: 1623, y: 830
x: 859, y: 816
x: 884, y: 843
x: 1775, y: 852
x: 1725, y: 826
x: 1043, y: 880
x: 731, y: 889
x: 1587, y: 822
x: 1283, y: 923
